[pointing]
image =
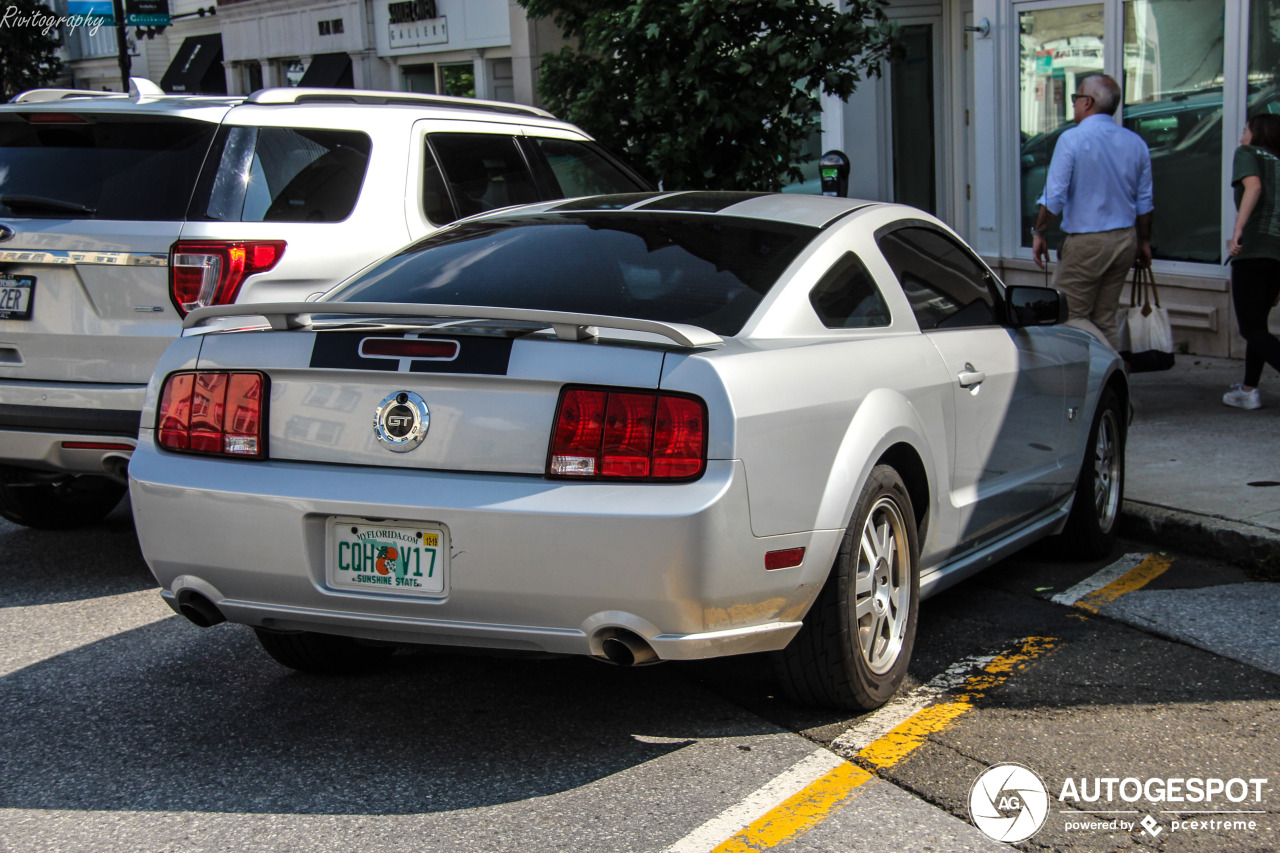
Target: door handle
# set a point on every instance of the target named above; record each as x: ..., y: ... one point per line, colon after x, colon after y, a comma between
x: 969, y: 377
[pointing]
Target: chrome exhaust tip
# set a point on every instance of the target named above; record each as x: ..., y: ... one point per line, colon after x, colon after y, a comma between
x: 627, y: 649
x: 199, y: 610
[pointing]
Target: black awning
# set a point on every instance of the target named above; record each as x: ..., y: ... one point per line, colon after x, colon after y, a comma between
x: 197, y: 67
x: 329, y: 71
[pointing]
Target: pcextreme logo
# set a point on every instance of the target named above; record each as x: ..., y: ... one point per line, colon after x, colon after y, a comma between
x: 1009, y: 802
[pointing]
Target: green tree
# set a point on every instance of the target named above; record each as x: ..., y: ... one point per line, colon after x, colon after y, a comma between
x: 708, y: 94
x: 27, y: 52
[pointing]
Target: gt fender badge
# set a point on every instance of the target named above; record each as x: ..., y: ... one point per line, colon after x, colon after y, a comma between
x: 401, y: 421
x: 6, y: 233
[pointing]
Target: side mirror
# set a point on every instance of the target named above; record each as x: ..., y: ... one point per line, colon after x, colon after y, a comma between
x: 1034, y: 306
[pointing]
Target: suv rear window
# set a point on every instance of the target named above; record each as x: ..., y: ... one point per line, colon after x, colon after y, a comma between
x: 283, y: 174
x: 110, y: 167
x: 710, y: 271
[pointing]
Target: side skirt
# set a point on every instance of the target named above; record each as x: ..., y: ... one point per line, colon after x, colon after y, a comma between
x: 947, y: 574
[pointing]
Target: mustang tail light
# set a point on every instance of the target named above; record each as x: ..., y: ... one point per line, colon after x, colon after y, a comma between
x: 628, y: 435
x: 213, y: 412
x: 210, y: 272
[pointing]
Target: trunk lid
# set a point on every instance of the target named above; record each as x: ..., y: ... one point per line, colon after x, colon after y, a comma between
x: 491, y: 406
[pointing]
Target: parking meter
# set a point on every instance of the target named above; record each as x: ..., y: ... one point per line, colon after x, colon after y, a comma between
x: 834, y: 171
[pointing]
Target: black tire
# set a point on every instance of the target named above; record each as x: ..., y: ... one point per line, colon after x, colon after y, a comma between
x: 322, y: 654
x: 852, y: 660
x: 73, y: 501
x: 1094, y: 522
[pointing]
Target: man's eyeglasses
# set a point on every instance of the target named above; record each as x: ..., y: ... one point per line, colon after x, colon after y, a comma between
x: 1075, y: 98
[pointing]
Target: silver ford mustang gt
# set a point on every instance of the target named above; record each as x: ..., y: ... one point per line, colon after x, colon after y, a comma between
x: 641, y: 428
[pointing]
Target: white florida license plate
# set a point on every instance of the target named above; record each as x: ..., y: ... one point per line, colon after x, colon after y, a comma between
x: 393, y: 557
x: 16, y: 292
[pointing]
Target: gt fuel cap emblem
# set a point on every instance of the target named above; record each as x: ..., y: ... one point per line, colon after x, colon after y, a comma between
x: 6, y: 233
x: 401, y: 422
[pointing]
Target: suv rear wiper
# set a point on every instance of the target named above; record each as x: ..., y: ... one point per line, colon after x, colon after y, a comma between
x: 40, y: 204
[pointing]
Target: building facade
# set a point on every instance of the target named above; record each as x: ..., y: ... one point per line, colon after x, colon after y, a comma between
x: 963, y: 125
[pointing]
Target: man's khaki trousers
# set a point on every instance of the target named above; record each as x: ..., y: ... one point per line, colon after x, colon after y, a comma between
x: 1091, y: 273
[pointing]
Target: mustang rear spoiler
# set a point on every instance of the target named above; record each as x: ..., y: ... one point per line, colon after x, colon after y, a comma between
x: 567, y: 326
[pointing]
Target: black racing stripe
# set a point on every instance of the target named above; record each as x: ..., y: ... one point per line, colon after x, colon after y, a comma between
x: 604, y: 202
x: 476, y: 355
x: 65, y: 420
x: 699, y: 202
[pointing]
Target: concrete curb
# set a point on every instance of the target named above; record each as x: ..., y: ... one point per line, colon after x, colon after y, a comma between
x: 1248, y: 545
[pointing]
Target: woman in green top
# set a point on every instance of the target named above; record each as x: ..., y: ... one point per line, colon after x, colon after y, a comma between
x: 1255, y: 252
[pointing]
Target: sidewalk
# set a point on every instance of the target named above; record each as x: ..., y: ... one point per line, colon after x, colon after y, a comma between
x: 1202, y: 476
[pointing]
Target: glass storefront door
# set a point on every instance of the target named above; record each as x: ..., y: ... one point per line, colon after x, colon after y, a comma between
x: 914, y: 130
x: 1173, y: 68
x: 1058, y: 47
x: 1170, y: 67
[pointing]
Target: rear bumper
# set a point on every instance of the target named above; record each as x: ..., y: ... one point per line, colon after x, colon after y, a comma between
x: 39, y: 420
x: 535, y: 565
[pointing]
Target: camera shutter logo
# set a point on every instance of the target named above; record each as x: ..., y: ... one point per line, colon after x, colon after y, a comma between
x: 401, y: 421
x: 1008, y: 802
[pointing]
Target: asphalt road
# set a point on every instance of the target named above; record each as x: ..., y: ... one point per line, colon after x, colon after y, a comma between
x: 128, y: 729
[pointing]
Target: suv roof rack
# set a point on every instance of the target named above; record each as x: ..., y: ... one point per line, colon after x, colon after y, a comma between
x: 36, y: 96
x: 298, y: 95
x: 140, y: 88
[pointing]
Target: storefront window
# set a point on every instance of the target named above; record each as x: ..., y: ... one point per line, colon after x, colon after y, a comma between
x: 420, y: 78
x: 459, y: 80
x: 291, y: 71
x: 1264, y: 56
x: 1173, y: 53
x: 1058, y: 47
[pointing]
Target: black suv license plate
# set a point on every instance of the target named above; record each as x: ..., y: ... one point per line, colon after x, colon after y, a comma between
x: 17, y: 294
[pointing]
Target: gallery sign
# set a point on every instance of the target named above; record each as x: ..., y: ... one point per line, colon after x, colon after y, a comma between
x: 412, y: 23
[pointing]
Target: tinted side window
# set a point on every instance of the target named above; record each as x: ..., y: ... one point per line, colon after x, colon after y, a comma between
x: 847, y: 297
x: 581, y: 169
x: 282, y: 174
x: 481, y: 171
x: 132, y: 168
x: 946, y: 286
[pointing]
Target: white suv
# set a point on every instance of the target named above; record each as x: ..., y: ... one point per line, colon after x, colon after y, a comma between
x: 120, y: 213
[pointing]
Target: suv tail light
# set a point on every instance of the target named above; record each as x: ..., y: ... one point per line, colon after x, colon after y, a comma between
x: 213, y: 412
x: 628, y: 435
x: 210, y: 272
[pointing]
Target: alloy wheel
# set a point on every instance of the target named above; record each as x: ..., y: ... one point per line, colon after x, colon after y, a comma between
x: 882, y: 586
x: 1106, y: 470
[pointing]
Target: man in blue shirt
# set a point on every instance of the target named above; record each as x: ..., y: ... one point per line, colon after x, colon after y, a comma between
x: 1100, y: 181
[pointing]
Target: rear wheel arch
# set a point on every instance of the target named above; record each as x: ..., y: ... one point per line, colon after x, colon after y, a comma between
x: 905, y: 459
x: 885, y: 430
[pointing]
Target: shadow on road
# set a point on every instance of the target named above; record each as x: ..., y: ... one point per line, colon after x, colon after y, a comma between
x: 52, y: 566
x: 172, y: 718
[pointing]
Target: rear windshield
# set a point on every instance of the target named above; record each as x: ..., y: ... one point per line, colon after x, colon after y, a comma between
x: 282, y: 174
x: 99, y: 167
x: 708, y: 271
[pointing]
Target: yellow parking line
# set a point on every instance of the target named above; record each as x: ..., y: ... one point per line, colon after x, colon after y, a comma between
x: 1139, y: 576
x: 821, y: 798
x: 916, y: 729
x: 809, y: 807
